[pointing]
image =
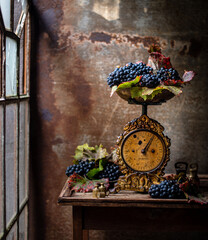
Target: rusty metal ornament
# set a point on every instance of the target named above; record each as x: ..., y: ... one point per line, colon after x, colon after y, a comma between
x: 143, y: 152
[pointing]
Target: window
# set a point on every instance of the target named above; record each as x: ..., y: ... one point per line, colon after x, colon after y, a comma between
x: 14, y: 118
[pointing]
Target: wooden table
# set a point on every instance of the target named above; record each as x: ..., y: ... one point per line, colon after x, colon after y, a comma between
x: 133, y: 211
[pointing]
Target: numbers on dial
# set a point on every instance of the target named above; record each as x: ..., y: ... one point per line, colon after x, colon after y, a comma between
x: 143, y: 150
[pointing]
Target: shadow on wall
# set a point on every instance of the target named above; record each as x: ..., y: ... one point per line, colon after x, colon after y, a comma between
x: 36, y: 207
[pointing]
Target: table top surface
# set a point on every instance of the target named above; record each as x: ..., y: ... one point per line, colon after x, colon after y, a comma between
x: 128, y: 199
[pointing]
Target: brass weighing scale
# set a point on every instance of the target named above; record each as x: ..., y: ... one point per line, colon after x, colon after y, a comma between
x: 143, y: 149
x: 143, y: 152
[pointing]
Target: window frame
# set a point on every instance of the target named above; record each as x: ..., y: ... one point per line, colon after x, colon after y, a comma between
x: 18, y: 99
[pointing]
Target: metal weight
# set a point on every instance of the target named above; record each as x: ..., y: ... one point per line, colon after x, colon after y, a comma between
x: 181, y: 167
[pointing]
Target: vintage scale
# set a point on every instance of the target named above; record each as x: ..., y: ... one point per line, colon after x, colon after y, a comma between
x: 143, y: 149
x: 143, y: 152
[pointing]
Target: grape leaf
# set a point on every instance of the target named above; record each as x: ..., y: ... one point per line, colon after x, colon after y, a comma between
x: 93, y: 172
x: 80, y: 151
x: 149, y: 91
x: 90, y: 153
x: 188, y: 76
x: 175, y: 90
x: 129, y: 84
x: 156, y: 60
x: 114, y: 156
x: 145, y: 93
x: 113, y: 89
x: 154, y: 48
x: 154, y: 93
x: 100, y: 152
x: 82, y: 184
x: 75, y: 161
x: 201, y: 199
x: 136, y: 92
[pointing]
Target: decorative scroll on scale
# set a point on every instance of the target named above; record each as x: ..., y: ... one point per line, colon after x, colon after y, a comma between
x: 143, y: 152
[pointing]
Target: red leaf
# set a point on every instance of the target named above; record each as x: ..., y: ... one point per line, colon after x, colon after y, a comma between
x: 172, y: 82
x: 188, y: 76
x: 157, y: 60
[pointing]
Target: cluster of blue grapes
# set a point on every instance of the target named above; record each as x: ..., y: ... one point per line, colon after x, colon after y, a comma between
x: 153, y: 80
x: 149, y: 80
x: 166, y: 189
x: 110, y: 171
x: 82, y: 168
x: 128, y: 73
x: 165, y: 74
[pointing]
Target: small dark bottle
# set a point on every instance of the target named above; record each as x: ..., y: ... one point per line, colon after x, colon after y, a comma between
x: 193, y: 177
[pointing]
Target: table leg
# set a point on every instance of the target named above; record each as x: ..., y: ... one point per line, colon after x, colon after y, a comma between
x: 85, y: 234
x: 78, y: 232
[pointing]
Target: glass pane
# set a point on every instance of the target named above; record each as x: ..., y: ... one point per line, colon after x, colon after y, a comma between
x: 11, y: 160
x: 20, y: 13
x: 11, y: 67
x: 6, y: 12
x: 23, y: 151
x: 24, y: 5
x: 17, y: 12
x: 13, y: 233
x: 1, y: 169
x: 23, y: 222
x: 0, y: 66
x: 21, y: 64
x: 27, y: 56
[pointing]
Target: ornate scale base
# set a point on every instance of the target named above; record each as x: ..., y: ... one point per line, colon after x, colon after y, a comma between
x: 143, y: 152
x: 136, y: 182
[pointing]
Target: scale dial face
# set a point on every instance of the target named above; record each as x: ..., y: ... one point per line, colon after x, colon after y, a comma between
x: 143, y: 150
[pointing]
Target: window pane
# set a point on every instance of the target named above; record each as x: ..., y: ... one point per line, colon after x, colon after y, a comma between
x: 27, y: 56
x: 1, y: 169
x: 20, y: 13
x: 11, y: 67
x: 24, y: 5
x: 0, y: 66
x: 5, y: 9
x: 17, y: 12
x: 13, y: 233
x: 23, y: 223
x: 11, y: 160
x: 21, y: 65
x: 23, y: 148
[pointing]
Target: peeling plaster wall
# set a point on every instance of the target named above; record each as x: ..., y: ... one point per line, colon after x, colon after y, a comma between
x: 76, y: 44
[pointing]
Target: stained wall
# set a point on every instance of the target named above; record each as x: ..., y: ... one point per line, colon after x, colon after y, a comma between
x: 75, y: 45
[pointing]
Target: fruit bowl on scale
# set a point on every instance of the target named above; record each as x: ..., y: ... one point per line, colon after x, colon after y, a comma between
x: 151, y: 83
x: 157, y: 99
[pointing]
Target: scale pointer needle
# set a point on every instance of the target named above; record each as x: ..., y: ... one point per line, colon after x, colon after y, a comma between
x: 144, y: 150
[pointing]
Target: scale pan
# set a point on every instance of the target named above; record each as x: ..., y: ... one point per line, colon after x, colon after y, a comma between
x: 159, y: 98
